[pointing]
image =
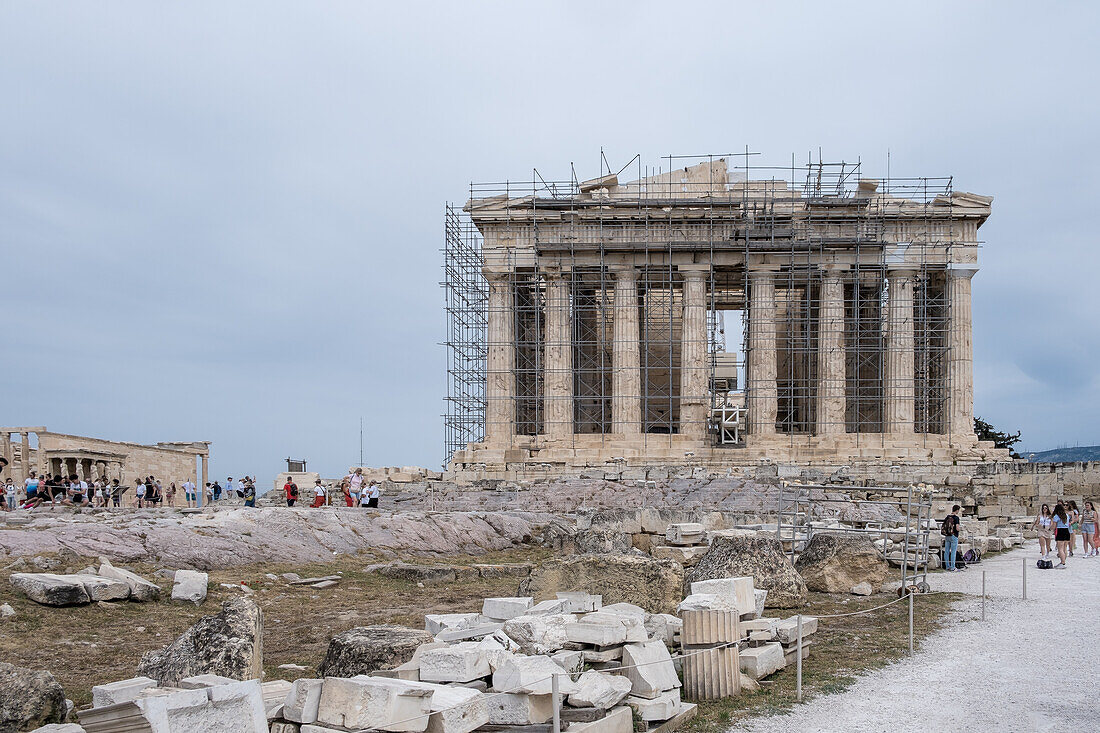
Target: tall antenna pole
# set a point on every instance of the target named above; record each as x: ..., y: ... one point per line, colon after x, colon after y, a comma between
x: 360, y: 441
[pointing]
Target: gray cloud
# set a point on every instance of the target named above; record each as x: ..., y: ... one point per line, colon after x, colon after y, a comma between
x: 222, y: 221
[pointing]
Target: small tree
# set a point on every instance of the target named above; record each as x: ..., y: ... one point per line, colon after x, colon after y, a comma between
x: 985, y: 431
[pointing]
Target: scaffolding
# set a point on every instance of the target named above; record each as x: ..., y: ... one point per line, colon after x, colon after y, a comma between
x: 724, y: 211
x: 800, y: 505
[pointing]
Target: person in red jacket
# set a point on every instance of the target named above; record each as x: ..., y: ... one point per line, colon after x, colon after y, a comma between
x: 291, y: 490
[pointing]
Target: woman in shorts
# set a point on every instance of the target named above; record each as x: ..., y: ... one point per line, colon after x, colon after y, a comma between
x: 1088, y: 529
x: 1061, y: 534
x: 1074, y: 524
x: 1042, y: 523
x: 139, y: 493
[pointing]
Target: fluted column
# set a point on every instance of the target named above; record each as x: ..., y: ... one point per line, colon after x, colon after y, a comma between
x: 761, y: 397
x: 24, y: 455
x: 500, y: 377
x: 694, y: 395
x: 205, y: 462
x: 626, y: 375
x: 5, y: 451
x: 557, y: 376
x: 960, y: 354
x: 899, y: 390
x: 831, y: 365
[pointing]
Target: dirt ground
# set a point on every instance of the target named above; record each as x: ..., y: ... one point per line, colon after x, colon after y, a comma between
x: 90, y: 645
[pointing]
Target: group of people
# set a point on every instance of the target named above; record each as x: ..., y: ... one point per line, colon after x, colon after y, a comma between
x: 148, y: 491
x: 73, y: 490
x: 213, y: 492
x: 355, y: 491
x: 1064, y: 524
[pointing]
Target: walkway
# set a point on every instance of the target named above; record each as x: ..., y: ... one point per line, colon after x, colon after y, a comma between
x: 1032, y: 666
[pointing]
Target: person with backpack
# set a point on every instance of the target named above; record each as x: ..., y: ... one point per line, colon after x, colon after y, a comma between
x: 291, y: 490
x: 1042, y: 524
x: 249, y: 493
x: 1061, y: 534
x: 950, y: 531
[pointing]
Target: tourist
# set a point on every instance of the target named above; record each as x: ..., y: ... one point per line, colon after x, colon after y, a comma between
x: 318, y: 495
x: 364, y: 498
x: 345, y: 490
x: 139, y: 493
x: 76, y: 493
x: 30, y: 486
x: 170, y: 495
x: 249, y: 492
x: 9, y: 493
x: 1074, y: 525
x: 98, y: 498
x: 291, y: 490
x: 1088, y: 529
x: 189, y: 493
x: 355, y: 486
x: 1042, y: 524
x: 216, y: 489
x: 374, y: 492
x: 116, y: 493
x: 152, y: 492
x: 950, y: 532
x: 208, y: 494
x: 1061, y: 534
x: 230, y: 489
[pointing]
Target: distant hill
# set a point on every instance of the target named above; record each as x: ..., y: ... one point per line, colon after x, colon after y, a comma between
x: 1064, y: 455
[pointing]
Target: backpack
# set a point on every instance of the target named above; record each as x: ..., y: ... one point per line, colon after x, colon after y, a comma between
x: 944, y: 529
x: 972, y: 555
x: 294, y: 491
x: 1044, y: 564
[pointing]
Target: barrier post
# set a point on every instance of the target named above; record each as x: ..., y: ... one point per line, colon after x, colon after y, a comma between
x: 798, y: 664
x: 1023, y: 564
x: 983, y: 595
x: 556, y: 698
x: 911, y: 623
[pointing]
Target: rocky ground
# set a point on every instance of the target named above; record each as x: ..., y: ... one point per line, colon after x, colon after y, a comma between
x: 238, y: 536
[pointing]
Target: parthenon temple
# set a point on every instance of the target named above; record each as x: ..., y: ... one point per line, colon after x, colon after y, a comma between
x: 711, y: 314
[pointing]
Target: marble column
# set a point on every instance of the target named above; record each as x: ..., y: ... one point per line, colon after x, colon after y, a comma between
x: 960, y: 353
x: 831, y: 363
x: 557, y: 368
x: 899, y: 390
x: 761, y: 395
x: 500, y: 377
x: 5, y: 451
x: 25, y: 454
x: 626, y: 375
x: 694, y: 395
x: 205, y: 462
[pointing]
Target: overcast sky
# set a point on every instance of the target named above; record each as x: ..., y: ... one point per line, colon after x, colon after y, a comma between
x: 222, y: 221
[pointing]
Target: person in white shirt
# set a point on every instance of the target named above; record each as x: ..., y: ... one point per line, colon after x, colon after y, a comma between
x: 9, y: 495
x: 139, y: 493
x: 318, y: 495
x: 189, y: 492
x: 374, y: 491
x: 355, y: 481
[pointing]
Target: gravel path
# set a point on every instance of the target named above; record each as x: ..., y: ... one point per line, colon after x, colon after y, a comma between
x: 1032, y: 666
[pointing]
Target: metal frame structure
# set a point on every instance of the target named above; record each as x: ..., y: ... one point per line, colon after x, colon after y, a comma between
x: 906, y: 499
